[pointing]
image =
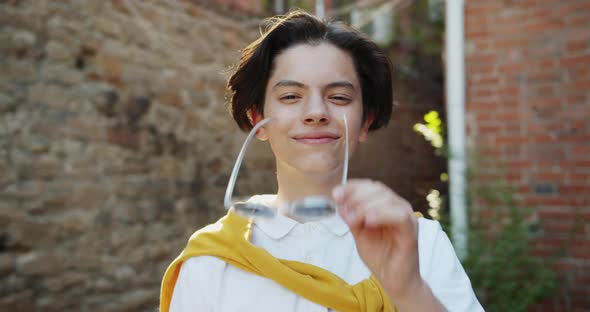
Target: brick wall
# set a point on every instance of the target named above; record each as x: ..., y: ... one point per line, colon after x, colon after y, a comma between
x: 528, y: 110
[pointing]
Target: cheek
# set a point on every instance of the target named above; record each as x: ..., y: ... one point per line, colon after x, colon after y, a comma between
x: 277, y: 110
x: 278, y: 129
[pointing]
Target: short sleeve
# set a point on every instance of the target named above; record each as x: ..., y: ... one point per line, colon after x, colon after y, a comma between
x: 197, y: 285
x: 442, y: 270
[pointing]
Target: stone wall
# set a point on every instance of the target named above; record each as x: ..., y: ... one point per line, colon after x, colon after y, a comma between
x: 115, y: 144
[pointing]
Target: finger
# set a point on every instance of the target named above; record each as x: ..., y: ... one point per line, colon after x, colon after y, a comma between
x: 387, y: 217
x: 341, y: 192
x: 379, y: 212
x: 359, y: 192
x: 354, y: 195
x: 363, y: 221
x: 357, y: 196
x: 357, y: 211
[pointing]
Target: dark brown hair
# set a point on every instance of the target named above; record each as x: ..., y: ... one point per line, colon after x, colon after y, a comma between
x: 248, y: 83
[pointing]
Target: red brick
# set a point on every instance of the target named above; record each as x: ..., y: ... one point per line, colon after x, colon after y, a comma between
x: 580, y: 33
x: 475, y: 67
x: 548, y: 176
x: 512, y: 67
x: 533, y: 3
x: 484, y: 45
x: 577, y: 98
x: 543, y: 26
x: 505, y: 42
x: 576, y: 60
x: 553, y: 226
x: 520, y: 164
x: 509, y: 91
x: 577, y: 21
x: 474, y: 34
x: 544, y: 75
x: 545, y: 102
x: 564, y: 214
x: 577, y: 46
x: 512, y: 127
x: 581, y: 84
x: 541, y: 139
x: 514, y: 176
x: 538, y: 13
x: 478, y: 9
x: 483, y: 92
x: 546, y: 201
x: 484, y: 116
x: 508, y: 116
x: 481, y: 59
x: 575, y: 189
x: 511, y: 140
x: 489, y: 128
x: 581, y: 74
x: 486, y: 80
x: 579, y: 177
x: 581, y: 252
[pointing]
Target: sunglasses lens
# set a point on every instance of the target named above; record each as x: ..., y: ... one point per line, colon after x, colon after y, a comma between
x: 254, y: 209
x: 314, y: 207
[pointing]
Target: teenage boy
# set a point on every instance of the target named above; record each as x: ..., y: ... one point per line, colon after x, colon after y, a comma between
x: 310, y: 78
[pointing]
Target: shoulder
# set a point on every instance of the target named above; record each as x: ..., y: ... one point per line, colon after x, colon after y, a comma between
x: 202, y: 266
x: 442, y: 270
x: 434, y: 247
x: 432, y: 239
x: 428, y: 227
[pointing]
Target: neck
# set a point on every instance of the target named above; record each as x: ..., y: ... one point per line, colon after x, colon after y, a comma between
x: 294, y: 184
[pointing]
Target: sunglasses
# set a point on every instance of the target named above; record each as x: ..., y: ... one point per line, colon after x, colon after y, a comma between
x: 305, y: 209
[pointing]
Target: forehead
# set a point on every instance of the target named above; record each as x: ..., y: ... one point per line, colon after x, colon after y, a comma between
x: 314, y: 65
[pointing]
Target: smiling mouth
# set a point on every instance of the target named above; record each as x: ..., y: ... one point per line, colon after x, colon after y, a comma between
x: 316, y: 141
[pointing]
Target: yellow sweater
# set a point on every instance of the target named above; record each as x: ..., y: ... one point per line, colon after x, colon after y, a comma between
x: 229, y: 240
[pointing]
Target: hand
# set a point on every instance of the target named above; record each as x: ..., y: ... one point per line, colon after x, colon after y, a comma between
x: 386, y: 234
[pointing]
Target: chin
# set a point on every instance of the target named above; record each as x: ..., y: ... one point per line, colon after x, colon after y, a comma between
x: 318, y: 167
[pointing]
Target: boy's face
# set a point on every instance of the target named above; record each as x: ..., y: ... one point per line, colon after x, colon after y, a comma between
x: 310, y: 89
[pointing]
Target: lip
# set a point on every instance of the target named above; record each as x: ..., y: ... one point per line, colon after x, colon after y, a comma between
x: 315, y: 138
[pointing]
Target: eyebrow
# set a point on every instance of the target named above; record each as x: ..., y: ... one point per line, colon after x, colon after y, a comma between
x: 343, y: 84
x: 293, y: 83
x: 289, y: 83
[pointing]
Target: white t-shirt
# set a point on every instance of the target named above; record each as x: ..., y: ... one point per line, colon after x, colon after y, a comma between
x: 206, y: 283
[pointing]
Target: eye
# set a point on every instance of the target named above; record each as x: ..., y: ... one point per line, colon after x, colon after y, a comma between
x: 340, y: 99
x: 289, y: 98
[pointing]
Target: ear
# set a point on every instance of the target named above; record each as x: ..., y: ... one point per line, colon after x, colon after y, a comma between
x: 363, y: 135
x: 255, y: 117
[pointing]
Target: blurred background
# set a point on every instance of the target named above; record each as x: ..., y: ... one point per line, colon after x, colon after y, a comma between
x: 116, y: 143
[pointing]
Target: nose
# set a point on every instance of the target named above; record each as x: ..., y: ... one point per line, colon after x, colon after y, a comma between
x: 315, y: 111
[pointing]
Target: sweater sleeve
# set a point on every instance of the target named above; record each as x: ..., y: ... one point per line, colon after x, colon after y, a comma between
x: 197, y: 286
x: 442, y: 270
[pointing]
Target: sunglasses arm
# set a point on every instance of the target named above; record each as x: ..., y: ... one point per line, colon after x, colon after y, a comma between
x: 227, y: 201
